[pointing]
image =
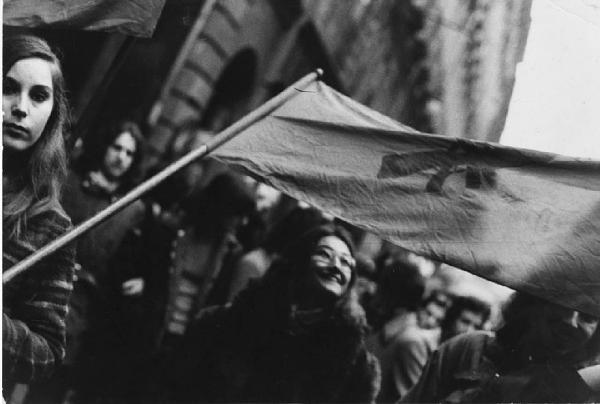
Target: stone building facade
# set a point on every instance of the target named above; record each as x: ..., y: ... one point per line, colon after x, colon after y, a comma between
x: 442, y: 66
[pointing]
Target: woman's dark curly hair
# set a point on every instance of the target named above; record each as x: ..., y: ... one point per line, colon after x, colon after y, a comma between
x: 271, y: 297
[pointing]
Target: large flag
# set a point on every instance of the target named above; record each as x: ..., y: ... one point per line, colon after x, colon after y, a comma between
x: 524, y: 219
x: 131, y: 17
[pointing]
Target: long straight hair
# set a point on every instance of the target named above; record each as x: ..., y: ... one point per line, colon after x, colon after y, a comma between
x: 36, y: 189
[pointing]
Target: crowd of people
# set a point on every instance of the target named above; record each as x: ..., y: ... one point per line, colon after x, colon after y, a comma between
x: 216, y: 288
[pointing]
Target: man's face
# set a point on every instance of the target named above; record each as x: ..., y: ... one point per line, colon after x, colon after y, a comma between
x: 431, y: 315
x: 119, y: 156
x: 564, y: 331
x: 467, y: 321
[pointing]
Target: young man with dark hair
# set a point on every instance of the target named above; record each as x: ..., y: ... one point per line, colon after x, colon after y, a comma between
x: 466, y: 314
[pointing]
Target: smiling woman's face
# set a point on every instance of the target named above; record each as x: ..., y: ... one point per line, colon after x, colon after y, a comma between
x: 27, y: 102
x: 331, y: 265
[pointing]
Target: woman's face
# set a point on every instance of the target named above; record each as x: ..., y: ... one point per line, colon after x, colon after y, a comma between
x: 119, y: 156
x: 331, y: 265
x: 27, y: 102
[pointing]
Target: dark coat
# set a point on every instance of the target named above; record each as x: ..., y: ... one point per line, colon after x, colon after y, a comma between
x: 82, y: 200
x: 88, y: 327
x: 257, y: 350
x: 475, y: 367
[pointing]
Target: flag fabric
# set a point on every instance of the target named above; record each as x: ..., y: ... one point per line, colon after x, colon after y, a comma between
x: 130, y: 17
x: 524, y: 219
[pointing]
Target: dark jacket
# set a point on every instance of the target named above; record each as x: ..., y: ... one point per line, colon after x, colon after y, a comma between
x: 82, y: 199
x: 35, y: 302
x: 258, y: 349
x: 474, y: 367
x: 88, y: 326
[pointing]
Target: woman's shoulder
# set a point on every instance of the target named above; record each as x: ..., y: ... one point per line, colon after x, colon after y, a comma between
x: 54, y: 219
x: 45, y: 226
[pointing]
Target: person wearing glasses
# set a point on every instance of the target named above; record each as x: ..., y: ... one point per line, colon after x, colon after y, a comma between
x: 294, y: 335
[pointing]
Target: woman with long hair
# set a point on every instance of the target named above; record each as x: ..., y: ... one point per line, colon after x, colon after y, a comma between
x: 295, y: 335
x: 35, y: 303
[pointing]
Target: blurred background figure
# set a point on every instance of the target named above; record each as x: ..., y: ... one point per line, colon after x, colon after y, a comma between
x: 212, y: 219
x: 433, y: 309
x: 407, y: 340
x: 105, y: 171
x: 366, y: 282
x: 254, y: 263
x: 542, y: 353
x: 180, y: 262
x: 457, y: 282
x: 399, y: 294
x: 294, y: 335
x: 400, y: 290
x: 416, y: 337
x: 270, y: 207
x: 466, y: 314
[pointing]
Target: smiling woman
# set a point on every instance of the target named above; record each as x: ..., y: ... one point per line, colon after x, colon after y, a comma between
x: 295, y: 335
x: 34, y: 111
x: 332, y: 265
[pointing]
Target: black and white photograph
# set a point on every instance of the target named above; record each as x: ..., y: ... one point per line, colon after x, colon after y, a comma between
x: 300, y: 201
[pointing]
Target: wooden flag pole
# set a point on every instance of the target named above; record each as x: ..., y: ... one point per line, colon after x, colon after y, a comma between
x: 214, y: 143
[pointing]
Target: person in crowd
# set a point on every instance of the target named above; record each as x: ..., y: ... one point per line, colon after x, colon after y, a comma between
x: 366, y: 282
x: 433, y: 310
x: 210, y: 226
x: 34, y: 303
x: 269, y: 208
x: 294, y: 335
x: 411, y: 339
x: 466, y: 314
x: 104, y: 172
x: 255, y: 263
x: 543, y: 353
x: 178, y: 257
x: 196, y: 176
x: 410, y: 347
x: 400, y: 291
